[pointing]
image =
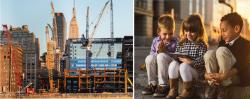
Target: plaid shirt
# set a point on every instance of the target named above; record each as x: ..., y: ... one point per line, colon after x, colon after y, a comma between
x: 196, y: 51
x: 170, y: 46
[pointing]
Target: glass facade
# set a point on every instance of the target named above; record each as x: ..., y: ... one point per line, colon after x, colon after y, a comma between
x: 99, y: 59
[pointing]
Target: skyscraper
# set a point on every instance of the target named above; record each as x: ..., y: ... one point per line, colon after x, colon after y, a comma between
x: 73, y: 30
x: 61, y: 30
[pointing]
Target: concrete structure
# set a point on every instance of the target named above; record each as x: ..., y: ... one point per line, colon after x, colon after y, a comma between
x: 104, y: 73
x: 11, y: 63
x: 61, y: 30
x: 30, y: 46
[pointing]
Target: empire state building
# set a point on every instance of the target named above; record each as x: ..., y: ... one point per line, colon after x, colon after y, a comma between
x: 73, y: 30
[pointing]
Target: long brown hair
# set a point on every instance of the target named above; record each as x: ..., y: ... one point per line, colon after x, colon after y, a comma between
x: 193, y: 23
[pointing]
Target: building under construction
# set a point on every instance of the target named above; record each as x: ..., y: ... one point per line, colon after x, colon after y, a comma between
x: 104, y: 74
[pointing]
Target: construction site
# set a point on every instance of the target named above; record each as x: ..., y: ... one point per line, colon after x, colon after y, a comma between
x: 79, y: 67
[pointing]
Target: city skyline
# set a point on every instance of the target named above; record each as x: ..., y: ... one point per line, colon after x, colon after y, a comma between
x: 18, y: 13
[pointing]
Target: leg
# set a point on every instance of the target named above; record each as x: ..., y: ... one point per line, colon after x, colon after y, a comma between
x: 151, y: 69
x: 211, y: 63
x: 152, y: 75
x: 211, y: 66
x: 225, y: 60
x: 187, y: 74
x: 173, y: 72
x: 163, y: 61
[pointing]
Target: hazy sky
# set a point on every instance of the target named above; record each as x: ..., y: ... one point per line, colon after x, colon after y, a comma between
x: 37, y: 13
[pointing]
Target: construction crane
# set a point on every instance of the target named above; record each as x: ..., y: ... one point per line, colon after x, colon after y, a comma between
x: 50, y: 58
x: 90, y: 37
x: 111, y: 46
x: 53, y: 50
x: 88, y: 52
x: 54, y: 24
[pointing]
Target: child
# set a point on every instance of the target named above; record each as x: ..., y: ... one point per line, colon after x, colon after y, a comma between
x: 229, y: 63
x: 193, y: 41
x: 158, y: 60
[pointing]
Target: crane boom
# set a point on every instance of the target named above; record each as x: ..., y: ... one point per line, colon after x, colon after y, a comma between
x: 95, y: 27
x: 54, y: 25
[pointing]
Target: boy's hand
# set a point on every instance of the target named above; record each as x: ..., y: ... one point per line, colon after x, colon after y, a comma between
x: 220, y: 76
x: 208, y: 76
x: 161, y: 47
x: 211, y: 77
x: 216, y: 78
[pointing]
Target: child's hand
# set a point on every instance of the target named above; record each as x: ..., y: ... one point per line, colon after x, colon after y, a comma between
x: 208, y: 76
x: 161, y: 47
x: 220, y: 76
x: 186, y: 60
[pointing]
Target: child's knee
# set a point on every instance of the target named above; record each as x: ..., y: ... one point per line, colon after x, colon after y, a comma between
x: 209, y: 54
x: 149, y: 59
x: 173, y: 69
x: 163, y: 57
x: 184, y: 68
x: 221, y: 51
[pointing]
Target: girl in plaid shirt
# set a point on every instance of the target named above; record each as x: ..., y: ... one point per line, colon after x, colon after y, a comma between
x: 193, y: 41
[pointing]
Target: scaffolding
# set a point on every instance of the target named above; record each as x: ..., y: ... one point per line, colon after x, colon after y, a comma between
x: 97, y: 80
x: 103, y: 76
x: 127, y: 60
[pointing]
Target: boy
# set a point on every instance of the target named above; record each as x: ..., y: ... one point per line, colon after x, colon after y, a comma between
x: 158, y: 60
x: 230, y: 61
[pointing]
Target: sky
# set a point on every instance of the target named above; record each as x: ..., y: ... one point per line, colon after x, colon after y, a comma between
x: 37, y: 13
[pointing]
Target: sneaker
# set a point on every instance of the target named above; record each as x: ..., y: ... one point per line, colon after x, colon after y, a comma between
x: 161, y: 91
x: 149, y: 90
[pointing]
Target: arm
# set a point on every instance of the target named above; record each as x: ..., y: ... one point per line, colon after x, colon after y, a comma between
x: 172, y: 47
x: 216, y: 78
x: 153, y: 47
x: 223, y: 76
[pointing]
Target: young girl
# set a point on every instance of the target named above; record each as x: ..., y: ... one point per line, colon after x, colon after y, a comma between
x: 193, y: 41
x: 158, y: 61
